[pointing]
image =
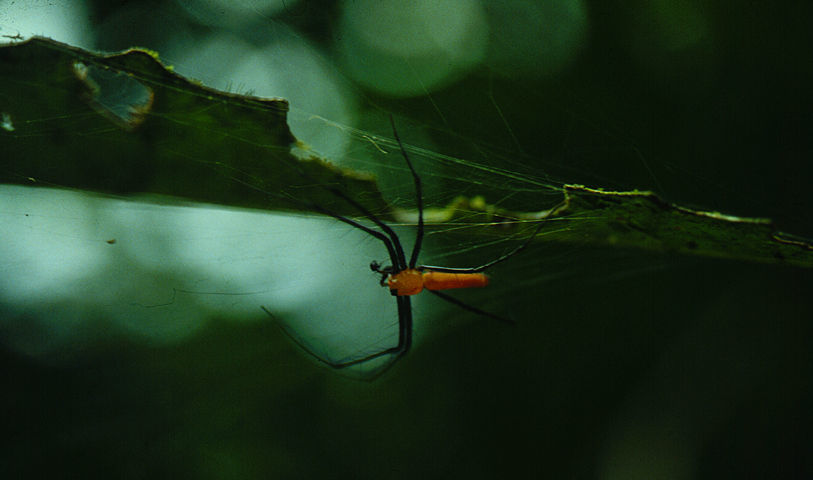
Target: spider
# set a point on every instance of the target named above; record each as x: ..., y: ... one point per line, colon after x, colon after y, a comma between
x: 406, y: 278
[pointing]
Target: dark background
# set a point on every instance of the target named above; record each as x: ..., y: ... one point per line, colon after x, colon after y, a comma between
x: 624, y: 365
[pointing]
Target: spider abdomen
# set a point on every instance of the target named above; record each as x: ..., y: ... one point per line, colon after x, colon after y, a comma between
x: 446, y: 281
x: 412, y: 281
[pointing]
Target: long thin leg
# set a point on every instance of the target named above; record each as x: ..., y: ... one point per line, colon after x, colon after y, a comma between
x: 468, y: 307
x: 404, y: 340
x: 416, y: 248
x: 391, y: 241
x: 396, y: 243
x: 392, y: 249
x: 404, y: 305
x: 489, y: 264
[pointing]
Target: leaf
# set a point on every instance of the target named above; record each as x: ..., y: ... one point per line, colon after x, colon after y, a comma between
x: 640, y: 219
x: 644, y: 220
x: 125, y: 123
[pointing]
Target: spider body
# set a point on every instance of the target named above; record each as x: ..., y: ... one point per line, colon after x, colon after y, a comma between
x: 413, y: 281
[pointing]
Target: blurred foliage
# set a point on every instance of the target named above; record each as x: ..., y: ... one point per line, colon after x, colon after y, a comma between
x: 625, y: 364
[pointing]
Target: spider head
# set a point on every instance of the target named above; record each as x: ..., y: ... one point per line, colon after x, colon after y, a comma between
x: 378, y: 268
x: 384, y: 271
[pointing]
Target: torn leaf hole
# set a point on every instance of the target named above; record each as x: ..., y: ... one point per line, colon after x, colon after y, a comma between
x: 115, y: 95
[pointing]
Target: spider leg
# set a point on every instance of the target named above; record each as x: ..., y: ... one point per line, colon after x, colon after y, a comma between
x: 404, y: 340
x: 391, y: 241
x: 398, y: 259
x: 416, y: 248
x: 468, y: 307
x: 490, y: 264
x: 393, y: 249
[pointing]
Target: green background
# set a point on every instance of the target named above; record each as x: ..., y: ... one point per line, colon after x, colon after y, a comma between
x: 695, y: 368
